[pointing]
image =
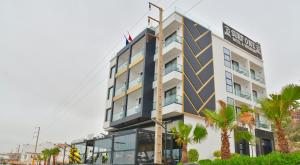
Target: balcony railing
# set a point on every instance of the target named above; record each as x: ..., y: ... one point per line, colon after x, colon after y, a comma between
x: 244, y: 94
x: 135, y: 81
x: 120, y: 90
x: 134, y: 109
x: 174, y: 99
x: 241, y: 70
x: 174, y: 38
x: 122, y: 66
x: 261, y: 124
x: 257, y: 78
x: 118, y: 115
x: 167, y: 70
x: 137, y: 55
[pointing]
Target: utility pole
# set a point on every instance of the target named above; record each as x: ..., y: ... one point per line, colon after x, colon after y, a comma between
x: 159, y: 91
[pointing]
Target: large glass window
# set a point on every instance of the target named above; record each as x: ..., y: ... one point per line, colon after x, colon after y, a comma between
x: 124, y: 149
x: 227, y: 59
x: 102, y: 151
x: 229, y: 83
x: 230, y: 101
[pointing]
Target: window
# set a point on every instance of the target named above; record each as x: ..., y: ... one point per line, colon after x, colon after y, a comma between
x: 254, y: 93
x: 107, y: 115
x: 238, y: 110
x: 230, y: 101
x: 170, y: 66
x: 252, y: 73
x: 109, y: 93
x: 170, y: 96
x: 237, y: 89
x: 227, y: 59
x: 228, y: 78
x: 124, y: 147
x: 170, y: 38
x: 112, y: 71
x: 235, y: 65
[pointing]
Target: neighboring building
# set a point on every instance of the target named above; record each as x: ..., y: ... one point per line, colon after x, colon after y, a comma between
x: 199, y: 69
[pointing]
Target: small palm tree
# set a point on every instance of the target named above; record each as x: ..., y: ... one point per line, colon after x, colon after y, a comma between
x: 182, y: 136
x: 39, y: 158
x: 277, y: 109
x: 46, y: 156
x: 224, y: 119
x: 54, y: 152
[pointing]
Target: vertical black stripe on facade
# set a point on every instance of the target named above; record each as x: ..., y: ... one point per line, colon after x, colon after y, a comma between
x: 193, y: 31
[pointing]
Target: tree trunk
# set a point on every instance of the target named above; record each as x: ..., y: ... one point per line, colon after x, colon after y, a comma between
x: 184, y: 158
x: 225, y: 146
x: 53, y: 160
x: 281, y: 138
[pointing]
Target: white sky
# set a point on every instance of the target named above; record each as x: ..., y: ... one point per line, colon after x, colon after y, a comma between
x: 54, y: 56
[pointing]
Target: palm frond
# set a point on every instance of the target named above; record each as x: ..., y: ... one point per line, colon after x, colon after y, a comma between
x: 242, y: 135
x: 200, y: 133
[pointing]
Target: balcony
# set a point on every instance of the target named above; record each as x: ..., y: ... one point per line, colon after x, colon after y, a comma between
x: 120, y: 91
x: 257, y: 78
x: 173, y: 68
x: 241, y: 70
x: 171, y: 76
x: 243, y: 94
x: 134, y: 109
x: 122, y: 68
x: 118, y: 115
x: 171, y: 48
x: 137, y: 57
x: 261, y: 124
x: 172, y: 106
x: 135, y: 82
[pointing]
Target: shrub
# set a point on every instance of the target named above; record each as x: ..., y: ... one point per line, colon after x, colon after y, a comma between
x: 203, y: 161
x: 274, y: 158
x: 217, y: 154
x: 193, y: 155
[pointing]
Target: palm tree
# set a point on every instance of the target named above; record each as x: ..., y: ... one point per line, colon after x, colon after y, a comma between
x: 183, y: 138
x: 46, y: 156
x: 224, y: 119
x: 39, y: 158
x: 54, y: 152
x: 277, y: 109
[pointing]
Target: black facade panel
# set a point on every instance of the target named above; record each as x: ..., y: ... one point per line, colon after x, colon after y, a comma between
x: 189, y: 57
x: 206, y: 73
x: 192, y: 77
x: 188, y: 106
x: 197, y: 77
x: 204, y: 41
x: 206, y: 56
x: 201, y: 29
x: 192, y: 94
x: 207, y: 91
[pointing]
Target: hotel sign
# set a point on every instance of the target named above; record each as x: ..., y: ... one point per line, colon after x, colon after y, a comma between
x: 241, y: 41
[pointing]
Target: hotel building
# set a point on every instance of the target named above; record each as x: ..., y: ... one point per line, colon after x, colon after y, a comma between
x: 200, y: 68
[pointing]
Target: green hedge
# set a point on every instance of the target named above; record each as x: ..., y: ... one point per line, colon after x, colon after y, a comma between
x: 274, y: 158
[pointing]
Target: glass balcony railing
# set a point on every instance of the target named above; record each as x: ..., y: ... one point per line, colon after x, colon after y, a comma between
x: 174, y: 99
x: 122, y: 66
x: 257, y: 78
x: 262, y: 124
x: 134, y: 109
x: 137, y: 55
x: 120, y: 90
x: 244, y: 94
x: 174, y: 38
x: 167, y: 70
x: 241, y: 70
x: 118, y: 115
x: 135, y: 81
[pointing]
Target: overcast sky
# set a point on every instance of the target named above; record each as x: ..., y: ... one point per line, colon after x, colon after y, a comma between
x: 54, y: 56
